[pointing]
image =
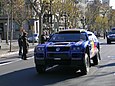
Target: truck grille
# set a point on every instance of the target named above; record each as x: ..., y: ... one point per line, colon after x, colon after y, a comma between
x: 62, y: 49
x: 76, y: 55
x: 57, y: 55
x: 40, y: 55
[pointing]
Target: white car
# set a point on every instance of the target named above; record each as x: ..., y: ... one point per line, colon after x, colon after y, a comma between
x: 33, y: 38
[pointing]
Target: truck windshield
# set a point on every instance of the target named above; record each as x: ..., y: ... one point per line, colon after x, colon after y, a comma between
x: 112, y: 32
x: 68, y: 37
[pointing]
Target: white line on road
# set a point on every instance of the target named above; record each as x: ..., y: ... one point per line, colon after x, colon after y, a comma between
x: 11, y: 53
x: 51, y: 67
x: 111, y: 56
x: 6, y: 62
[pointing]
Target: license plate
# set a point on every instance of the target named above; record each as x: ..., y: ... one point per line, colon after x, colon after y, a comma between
x: 57, y: 58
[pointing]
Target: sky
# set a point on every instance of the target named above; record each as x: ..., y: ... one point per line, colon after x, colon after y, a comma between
x: 112, y: 3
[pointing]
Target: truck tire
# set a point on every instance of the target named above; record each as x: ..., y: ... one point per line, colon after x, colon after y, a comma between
x: 96, y: 59
x: 86, y: 65
x: 40, y: 69
x: 108, y: 41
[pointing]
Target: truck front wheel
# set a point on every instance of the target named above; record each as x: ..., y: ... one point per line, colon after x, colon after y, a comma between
x: 40, y: 69
x: 86, y: 65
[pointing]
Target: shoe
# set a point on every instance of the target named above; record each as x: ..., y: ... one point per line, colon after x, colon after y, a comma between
x: 23, y: 59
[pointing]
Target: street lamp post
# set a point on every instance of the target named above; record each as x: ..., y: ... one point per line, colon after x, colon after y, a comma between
x: 103, y: 24
x: 51, y: 16
x: 11, y: 30
x: 65, y: 20
x: 110, y: 17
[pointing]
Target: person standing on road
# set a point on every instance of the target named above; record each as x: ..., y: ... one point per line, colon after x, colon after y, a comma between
x: 25, y: 45
x: 20, y: 41
x: 20, y: 44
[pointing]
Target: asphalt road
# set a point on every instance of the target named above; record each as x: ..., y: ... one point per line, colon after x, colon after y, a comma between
x: 17, y: 72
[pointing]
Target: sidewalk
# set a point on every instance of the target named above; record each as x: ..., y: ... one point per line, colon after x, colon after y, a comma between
x: 5, y: 48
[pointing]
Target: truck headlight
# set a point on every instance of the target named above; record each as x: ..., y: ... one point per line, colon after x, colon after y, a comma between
x: 39, y: 49
x: 77, y: 48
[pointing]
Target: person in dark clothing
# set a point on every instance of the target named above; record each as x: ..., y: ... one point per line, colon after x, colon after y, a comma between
x: 20, y: 44
x: 44, y: 37
x: 20, y: 41
x: 25, y: 45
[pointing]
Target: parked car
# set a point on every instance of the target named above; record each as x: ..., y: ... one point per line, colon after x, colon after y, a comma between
x: 33, y: 38
x: 113, y: 29
x: 110, y: 37
x: 70, y: 47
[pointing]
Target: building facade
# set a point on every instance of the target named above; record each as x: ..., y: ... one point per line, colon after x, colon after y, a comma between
x: 3, y: 18
x: 31, y: 25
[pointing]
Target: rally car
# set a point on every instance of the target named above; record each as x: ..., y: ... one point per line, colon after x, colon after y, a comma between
x: 71, y: 47
x: 95, y: 46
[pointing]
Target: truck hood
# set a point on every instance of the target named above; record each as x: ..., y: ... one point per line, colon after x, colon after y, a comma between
x: 64, y: 43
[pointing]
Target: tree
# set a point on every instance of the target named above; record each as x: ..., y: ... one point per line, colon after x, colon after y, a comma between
x: 22, y: 11
x: 69, y: 7
x: 112, y: 18
x: 17, y: 11
x: 92, y: 13
x: 7, y: 10
x: 38, y: 7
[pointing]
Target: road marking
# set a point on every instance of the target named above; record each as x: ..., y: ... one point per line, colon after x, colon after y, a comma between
x: 6, y: 62
x: 51, y: 67
x: 11, y: 53
x: 111, y: 56
x: 108, y: 56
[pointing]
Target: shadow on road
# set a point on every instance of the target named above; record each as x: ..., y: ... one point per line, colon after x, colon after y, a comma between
x: 29, y: 77
x: 106, y: 44
x: 107, y: 65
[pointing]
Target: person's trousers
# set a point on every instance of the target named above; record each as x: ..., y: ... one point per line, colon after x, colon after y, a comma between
x: 24, y: 55
x: 20, y: 50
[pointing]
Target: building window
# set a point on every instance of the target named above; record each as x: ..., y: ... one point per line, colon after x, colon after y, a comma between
x: 0, y: 8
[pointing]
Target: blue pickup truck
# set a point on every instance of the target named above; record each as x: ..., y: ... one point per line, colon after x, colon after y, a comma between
x: 71, y: 47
